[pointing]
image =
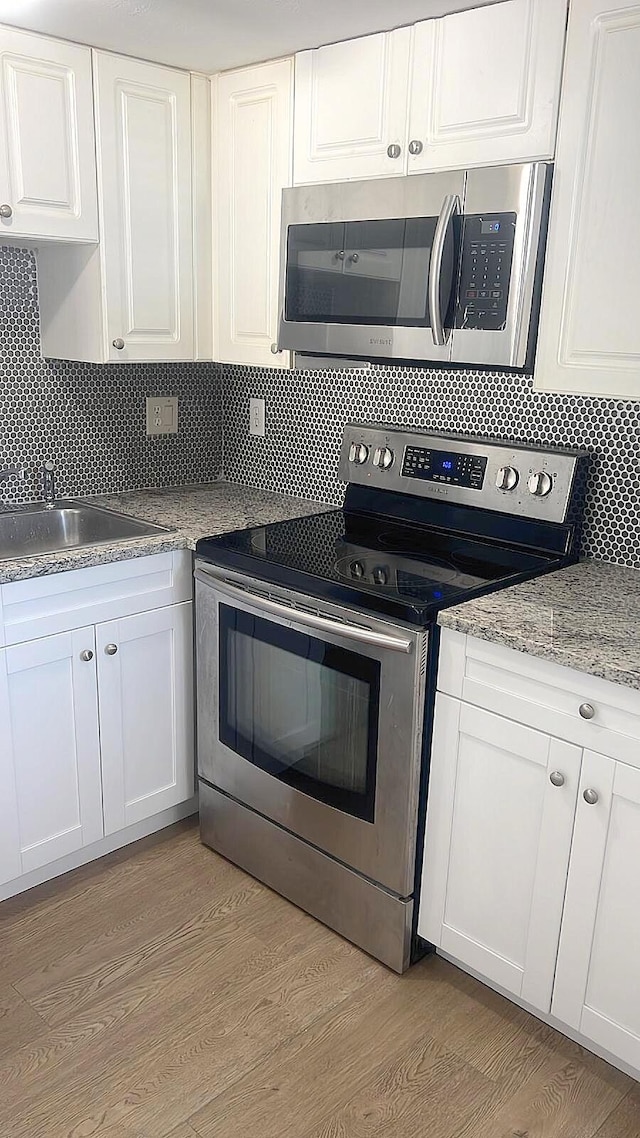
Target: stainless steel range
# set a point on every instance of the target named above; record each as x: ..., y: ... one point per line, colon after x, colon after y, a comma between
x: 317, y: 653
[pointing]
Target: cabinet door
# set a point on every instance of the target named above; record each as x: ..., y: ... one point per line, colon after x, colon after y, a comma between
x: 596, y: 989
x: 485, y: 85
x: 143, y: 116
x: 497, y: 846
x: 589, y: 337
x: 47, y: 151
x: 252, y: 139
x: 49, y: 738
x: 145, y: 680
x: 350, y: 107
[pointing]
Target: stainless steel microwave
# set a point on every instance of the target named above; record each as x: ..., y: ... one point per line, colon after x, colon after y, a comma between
x: 436, y: 268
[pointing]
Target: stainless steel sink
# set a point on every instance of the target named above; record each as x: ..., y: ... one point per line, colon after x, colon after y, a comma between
x: 27, y: 531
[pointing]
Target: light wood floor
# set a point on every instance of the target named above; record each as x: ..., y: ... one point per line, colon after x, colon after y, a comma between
x: 162, y: 992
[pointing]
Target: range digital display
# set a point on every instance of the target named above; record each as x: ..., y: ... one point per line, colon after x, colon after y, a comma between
x: 447, y: 467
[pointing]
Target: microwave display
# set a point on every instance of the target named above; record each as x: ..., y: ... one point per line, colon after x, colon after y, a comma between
x: 449, y: 467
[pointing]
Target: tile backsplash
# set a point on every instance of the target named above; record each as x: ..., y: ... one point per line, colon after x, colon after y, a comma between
x: 306, y: 411
x: 89, y: 419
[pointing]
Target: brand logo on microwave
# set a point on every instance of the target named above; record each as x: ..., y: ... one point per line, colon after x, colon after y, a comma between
x: 381, y: 341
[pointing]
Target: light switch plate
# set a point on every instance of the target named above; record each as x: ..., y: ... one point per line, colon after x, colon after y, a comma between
x: 162, y: 414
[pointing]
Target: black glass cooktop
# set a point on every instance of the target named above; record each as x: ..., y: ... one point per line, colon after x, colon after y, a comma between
x: 372, y: 562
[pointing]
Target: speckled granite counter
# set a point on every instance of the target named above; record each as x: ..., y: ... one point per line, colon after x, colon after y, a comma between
x: 190, y: 512
x: 585, y: 617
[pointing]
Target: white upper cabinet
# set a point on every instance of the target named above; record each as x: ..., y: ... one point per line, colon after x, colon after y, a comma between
x: 473, y: 89
x: 485, y: 85
x: 589, y: 338
x: 596, y: 990
x: 47, y: 150
x: 252, y: 140
x: 131, y: 298
x: 351, y: 109
x: 143, y: 116
x: 498, y: 835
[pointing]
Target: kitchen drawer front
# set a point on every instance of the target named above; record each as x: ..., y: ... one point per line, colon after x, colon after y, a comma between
x: 60, y: 602
x: 542, y: 694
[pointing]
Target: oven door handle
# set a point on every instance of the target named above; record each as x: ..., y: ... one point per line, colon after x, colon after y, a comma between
x: 450, y: 207
x: 308, y: 619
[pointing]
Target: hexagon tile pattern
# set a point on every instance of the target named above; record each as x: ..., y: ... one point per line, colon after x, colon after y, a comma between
x: 90, y: 419
x: 306, y: 411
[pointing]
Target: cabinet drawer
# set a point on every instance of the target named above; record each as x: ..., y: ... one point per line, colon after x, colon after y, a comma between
x: 43, y: 606
x: 542, y: 694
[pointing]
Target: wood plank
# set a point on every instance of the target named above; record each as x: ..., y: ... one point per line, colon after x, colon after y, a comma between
x: 291, y: 1091
x: 19, y: 1023
x: 624, y: 1121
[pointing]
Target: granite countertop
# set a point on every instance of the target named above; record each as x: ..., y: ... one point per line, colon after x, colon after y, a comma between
x: 586, y: 617
x: 190, y: 512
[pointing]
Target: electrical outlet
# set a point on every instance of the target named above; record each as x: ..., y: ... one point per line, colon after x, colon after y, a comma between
x: 257, y: 417
x: 162, y: 414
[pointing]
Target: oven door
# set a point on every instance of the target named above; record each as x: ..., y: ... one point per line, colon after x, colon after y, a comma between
x: 312, y: 720
x: 370, y: 268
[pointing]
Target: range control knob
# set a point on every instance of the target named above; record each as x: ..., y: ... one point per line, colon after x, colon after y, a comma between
x: 540, y: 484
x: 507, y: 478
x: 357, y: 569
x: 383, y: 458
x: 380, y: 575
x: 358, y: 453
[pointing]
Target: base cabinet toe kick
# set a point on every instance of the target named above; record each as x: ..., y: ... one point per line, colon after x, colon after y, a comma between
x: 533, y: 839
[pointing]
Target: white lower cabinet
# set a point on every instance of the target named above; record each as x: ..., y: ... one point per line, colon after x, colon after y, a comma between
x: 497, y: 846
x: 51, y: 789
x: 146, y: 713
x: 96, y: 721
x: 530, y: 874
x: 597, y: 991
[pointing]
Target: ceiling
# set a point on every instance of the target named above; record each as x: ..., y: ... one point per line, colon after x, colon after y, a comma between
x: 211, y: 35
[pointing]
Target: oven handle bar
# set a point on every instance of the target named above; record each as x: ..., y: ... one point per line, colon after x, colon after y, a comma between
x: 309, y: 619
x: 450, y: 207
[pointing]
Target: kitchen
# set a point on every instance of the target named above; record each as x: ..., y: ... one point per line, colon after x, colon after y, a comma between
x: 142, y: 260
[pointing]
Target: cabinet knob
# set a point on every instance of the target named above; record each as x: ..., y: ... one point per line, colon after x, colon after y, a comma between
x: 118, y: 343
x: 86, y: 655
x: 557, y: 778
x: 590, y: 796
x: 6, y: 211
x: 111, y: 649
x: 355, y: 257
x: 393, y: 150
x: 587, y: 710
x: 415, y: 146
x: 275, y: 350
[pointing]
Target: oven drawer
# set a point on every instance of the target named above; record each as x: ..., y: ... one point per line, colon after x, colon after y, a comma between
x: 312, y: 715
x: 572, y: 705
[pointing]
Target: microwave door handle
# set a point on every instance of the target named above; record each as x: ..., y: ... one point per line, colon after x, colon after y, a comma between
x: 450, y: 207
x: 355, y: 632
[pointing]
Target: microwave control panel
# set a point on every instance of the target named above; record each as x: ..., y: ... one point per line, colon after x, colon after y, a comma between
x: 487, y: 253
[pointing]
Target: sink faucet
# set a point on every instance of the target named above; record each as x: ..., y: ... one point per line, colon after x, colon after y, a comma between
x: 11, y: 472
x: 48, y: 484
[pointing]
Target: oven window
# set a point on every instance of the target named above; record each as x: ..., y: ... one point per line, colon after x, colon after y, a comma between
x: 363, y: 272
x: 303, y: 710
